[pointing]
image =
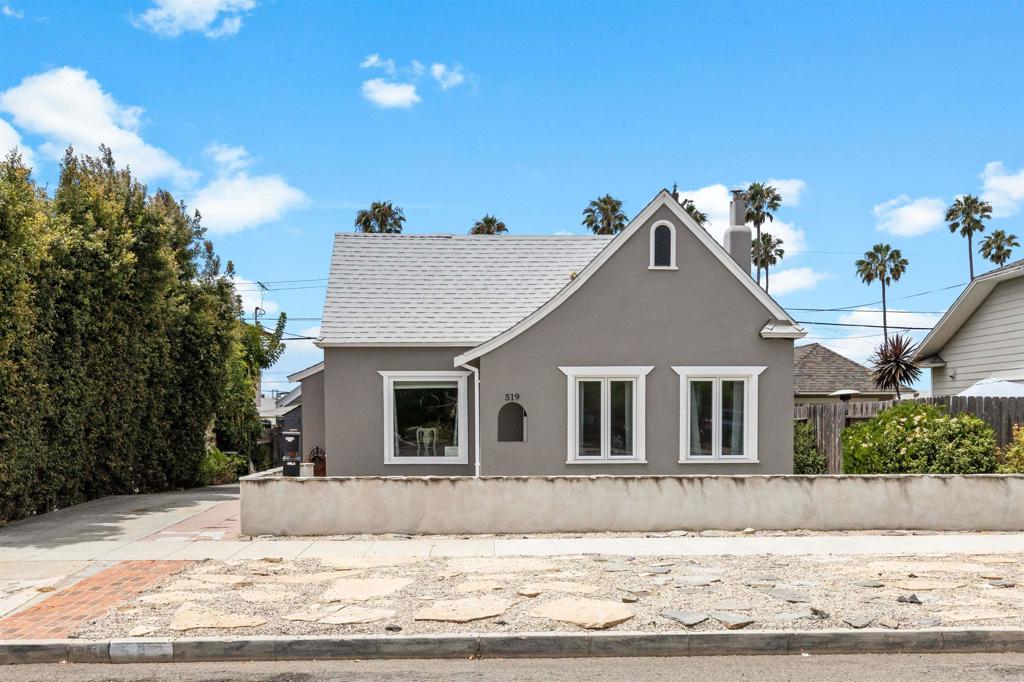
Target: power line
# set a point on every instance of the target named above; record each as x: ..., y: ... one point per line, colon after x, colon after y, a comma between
x: 871, y: 326
x: 835, y: 310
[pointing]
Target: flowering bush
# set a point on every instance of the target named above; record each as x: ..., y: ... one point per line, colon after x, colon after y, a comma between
x: 1011, y: 458
x: 914, y: 438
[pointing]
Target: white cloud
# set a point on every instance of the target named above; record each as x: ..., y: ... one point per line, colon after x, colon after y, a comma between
x: 860, y: 343
x: 714, y: 200
x: 65, y: 107
x: 9, y: 11
x: 374, y: 61
x: 171, y: 18
x: 251, y: 297
x: 790, y: 189
x: 388, y: 95
x: 9, y: 139
x: 795, y: 279
x: 906, y: 217
x: 417, y: 67
x: 447, y: 77
x: 1003, y: 189
x: 235, y: 200
x: 227, y: 157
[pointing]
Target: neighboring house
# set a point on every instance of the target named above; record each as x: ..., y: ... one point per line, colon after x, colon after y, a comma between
x: 282, y: 420
x: 981, y: 336
x: 819, y: 372
x: 650, y: 352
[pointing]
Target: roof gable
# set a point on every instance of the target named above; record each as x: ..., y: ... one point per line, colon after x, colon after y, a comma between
x: 969, y: 300
x: 787, y: 329
x: 819, y: 370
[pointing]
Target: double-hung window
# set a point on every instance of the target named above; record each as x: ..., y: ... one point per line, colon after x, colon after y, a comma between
x: 606, y: 416
x: 718, y: 414
x: 425, y: 418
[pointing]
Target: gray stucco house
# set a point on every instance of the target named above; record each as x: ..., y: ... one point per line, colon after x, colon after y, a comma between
x: 981, y: 336
x: 650, y: 352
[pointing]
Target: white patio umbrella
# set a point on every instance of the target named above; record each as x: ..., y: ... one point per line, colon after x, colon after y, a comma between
x: 994, y: 388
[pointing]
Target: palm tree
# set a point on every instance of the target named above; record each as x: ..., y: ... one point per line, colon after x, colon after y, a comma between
x: 885, y: 264
x: 762, y: 202
x: 381, y: 217
x: 488, y: 225
x: 893, y: 364
x: 998, y: 247
x: 968, y: 214
x: 604, y: 215
x: 765, y: 252
x: 699, y: 216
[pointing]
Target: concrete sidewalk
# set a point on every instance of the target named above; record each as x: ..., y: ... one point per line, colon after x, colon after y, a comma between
x: 849, y: 544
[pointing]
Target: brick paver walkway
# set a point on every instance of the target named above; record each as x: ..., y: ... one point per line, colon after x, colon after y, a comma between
x: 86, y: 600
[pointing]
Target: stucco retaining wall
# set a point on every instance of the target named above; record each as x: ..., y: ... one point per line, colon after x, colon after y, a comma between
x: 535, y: 504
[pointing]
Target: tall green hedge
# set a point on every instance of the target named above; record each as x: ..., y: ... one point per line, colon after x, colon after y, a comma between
x: 117, y: 331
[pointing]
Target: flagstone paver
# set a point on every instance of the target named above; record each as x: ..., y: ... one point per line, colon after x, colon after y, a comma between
x: 86, y: 600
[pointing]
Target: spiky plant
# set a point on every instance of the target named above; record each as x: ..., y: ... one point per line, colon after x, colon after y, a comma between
x: 893, y: 364
x: 604, y: 215
x: 488, y: 225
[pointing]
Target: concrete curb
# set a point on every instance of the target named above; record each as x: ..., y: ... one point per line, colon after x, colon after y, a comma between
x: 521, y: 645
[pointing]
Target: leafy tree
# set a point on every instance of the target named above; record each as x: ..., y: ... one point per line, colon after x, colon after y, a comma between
x: 116, y: 337
x: 762, y: 202
x: 968, y: 215
x: 766, y: 251
x: 998, y: 247
x: 381, y: 217
x: 893, y: 364
x: 488, y: 225
x: 604, y: 215
x: 885, y: 264
x: 699, y: 216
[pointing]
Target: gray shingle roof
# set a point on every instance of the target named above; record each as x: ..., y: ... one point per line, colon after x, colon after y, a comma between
x: 818, y: 370
x: 457, y: 290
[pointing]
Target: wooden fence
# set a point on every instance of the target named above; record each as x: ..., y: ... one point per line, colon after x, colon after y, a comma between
x: 830, y: 420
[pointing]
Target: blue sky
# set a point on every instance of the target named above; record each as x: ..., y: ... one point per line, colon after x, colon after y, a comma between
x: 278, y: 120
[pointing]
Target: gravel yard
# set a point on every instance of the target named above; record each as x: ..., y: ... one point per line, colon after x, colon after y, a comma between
x: 319, y: 597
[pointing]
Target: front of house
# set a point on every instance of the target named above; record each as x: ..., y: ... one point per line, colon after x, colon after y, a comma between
x: 649, y: 353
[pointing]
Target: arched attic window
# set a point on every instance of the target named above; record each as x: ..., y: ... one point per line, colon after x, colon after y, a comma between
x: 663, y: 246
x: 512, y: 423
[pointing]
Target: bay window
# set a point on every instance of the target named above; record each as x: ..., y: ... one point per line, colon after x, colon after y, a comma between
x: 606, y: 420
x: 718, y: 414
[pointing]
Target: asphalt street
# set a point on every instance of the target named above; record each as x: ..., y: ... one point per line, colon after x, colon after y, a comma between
x: 866, y: 668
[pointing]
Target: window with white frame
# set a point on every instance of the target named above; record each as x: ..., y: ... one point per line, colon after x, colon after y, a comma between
x: 718, y: 413
x: 663, y: 246
x: 425, y: 418
x: 606, y: 415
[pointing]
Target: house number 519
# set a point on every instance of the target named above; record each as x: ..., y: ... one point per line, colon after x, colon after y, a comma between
x: 511, y: 396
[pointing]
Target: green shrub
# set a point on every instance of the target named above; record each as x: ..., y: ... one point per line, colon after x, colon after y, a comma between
x: 1011, y: 458
x: 914, y: 438
x: 218, y: 468
x: 806, y: 458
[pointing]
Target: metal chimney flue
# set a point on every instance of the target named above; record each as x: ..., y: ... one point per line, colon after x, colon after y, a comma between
x: 737, y: 240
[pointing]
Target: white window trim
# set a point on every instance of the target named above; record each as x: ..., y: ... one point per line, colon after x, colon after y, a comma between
x: 672, y: 250
x: 639, y: 377
x: 390, y: 377
x: 749, y: 375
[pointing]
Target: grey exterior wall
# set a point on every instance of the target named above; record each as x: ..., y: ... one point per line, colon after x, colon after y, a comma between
x: 989, y: 344
x: 313, y: 415
x: 626, y: 314
x: 354, y: 409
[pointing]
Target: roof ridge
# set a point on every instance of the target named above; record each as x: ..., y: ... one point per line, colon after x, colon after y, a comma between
x: 468, y: 237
